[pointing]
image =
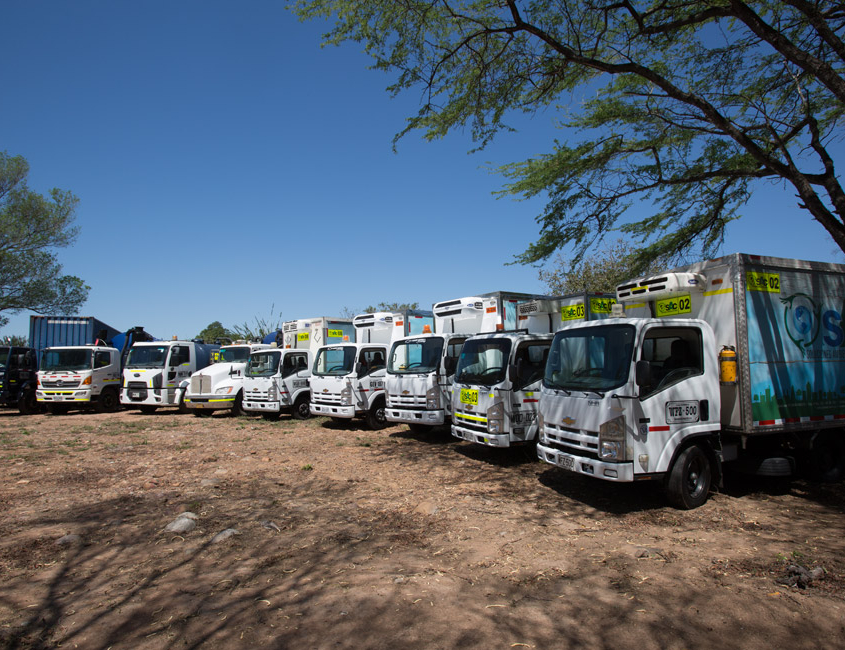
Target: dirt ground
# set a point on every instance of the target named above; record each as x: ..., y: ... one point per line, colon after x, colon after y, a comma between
x: 348, y: 538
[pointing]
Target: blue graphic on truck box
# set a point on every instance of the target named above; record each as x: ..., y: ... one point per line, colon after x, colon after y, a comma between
x: 796, y: 346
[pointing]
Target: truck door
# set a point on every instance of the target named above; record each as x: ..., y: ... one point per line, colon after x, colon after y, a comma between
x: 371, y: 371
x: 526, y: 373
x: 295, y: 373
x: 681, y: 396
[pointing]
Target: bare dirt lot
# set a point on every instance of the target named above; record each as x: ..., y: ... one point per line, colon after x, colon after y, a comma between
x: 350, y: 538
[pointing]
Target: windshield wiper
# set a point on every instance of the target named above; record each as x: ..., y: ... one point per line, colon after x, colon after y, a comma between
x: 587, y: 391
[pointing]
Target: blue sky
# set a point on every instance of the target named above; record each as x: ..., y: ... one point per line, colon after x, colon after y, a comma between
x: 227, y: 165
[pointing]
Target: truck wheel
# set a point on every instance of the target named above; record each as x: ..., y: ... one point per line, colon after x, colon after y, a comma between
x: 148, y: 409
x: 238, y: 406
x: 28, y: 403
x: 827, y: 459
x: 688, y: 483
x: 302, y: 408
x: 108, y: 402
x: 375, y: 416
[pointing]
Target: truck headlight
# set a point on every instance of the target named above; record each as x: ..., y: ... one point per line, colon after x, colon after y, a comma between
x: 271, y: 392
x: 346, y: 396
x: 612, y: 445
x: 225, y: 390
x: 496, y: 418
x: 432, y: 398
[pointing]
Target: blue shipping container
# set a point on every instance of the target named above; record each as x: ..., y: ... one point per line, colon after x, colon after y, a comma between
x: 51, y: 331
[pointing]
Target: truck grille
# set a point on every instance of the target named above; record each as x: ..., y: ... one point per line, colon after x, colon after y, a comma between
x: 137, y: 391
x: 60, y: 384
x: 328, y: 399
x: 406, y: 401
x: 260, y: 395
x: 200, y: 385
x: 573, y: 441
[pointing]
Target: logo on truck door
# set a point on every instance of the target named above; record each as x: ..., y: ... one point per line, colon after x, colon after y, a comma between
x: 681, y: 412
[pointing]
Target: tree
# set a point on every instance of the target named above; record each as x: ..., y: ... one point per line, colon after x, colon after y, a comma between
x: 15, y: 340
x: 391, y: 306
x: 215, y: 331
x: 262, y: 327
x: 31, y: 227
x: 601, y: 272
x: 689, y: 104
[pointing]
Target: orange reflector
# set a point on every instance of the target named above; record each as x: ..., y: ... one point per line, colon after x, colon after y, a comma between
x: 399, y: 323
x: 491, y: 310
x: 499, y: 326
x: 346, y: 337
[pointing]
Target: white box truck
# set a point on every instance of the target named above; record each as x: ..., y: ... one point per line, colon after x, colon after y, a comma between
x: 219, y: 386
x: 277, y: 379
x: 497, y: 381
x: 156, y: 373
x: 420, y: 368
x: 734, y: 360
x: 348, y: 379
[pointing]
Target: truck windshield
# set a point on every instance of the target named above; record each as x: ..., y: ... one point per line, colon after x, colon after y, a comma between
x: 590, y: 358
x: 483, y: 361
x: 58, y: 360
x: 147, y: 356
x: 335, y: 361
x: 263, y: 364
x: 234, y: 355
x: 415, y: 355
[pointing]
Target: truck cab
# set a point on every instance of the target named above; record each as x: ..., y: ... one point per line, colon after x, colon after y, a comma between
x: 348, y: 379
x: 496, y: 389
x: 219, y: 386
x: 156, y: 372
x: 18, y: 368
x: 79, y: 376
x: 421, y: 367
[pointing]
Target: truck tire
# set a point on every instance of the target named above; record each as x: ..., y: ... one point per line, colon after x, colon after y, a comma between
x: 827, y: 458
x: 108, y: 402
x: 238, y: 405
x: 689, y: 479
x: 28, y: 404
x: 302, y: 407
x: 375, y: 416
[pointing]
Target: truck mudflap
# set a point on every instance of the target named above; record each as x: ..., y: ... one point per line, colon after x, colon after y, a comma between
x: 264, y: 407
x: 619, y: 472
x: 409, y: 416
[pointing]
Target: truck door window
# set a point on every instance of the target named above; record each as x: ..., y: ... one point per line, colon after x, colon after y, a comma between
x: 371, y: 360
x: 674, y: 354
x: 530, y: 362
x: 179, y: 355
x: 102, y: 359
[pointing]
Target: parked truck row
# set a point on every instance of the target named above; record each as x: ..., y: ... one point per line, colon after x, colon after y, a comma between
x: 736, y: 362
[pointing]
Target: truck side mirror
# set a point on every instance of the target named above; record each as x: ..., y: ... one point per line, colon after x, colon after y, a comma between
x: 643, y: 373
x: 449, y: 365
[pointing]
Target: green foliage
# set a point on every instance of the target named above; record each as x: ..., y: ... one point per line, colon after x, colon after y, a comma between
x: 16, y: 340
x: 31, y: 227
x: 601, y: 272
x: 681, y: 108
x: 214, y: 332
x: 260, y: 327
x: 391, y: 306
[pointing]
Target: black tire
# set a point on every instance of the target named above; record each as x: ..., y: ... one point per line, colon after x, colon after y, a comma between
x: 238, y: 405
x: 375, y: 416
x: 147, y: 410
x: 271, y: 416
x: 688, y: 483
x: 302, y: 407
x: 57, y: 409
x: 109, y: 402
x: 420, y: 428
x: 28, y: 404
x: 827, y: 458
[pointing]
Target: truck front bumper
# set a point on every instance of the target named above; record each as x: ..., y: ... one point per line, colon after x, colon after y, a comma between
x: 487, y: 439
x: 619, y: 472
x: 209, y: 403
x: 149, y: 397
x: 332, y: 410
x: 264, y: 407
x: 48, y: 396
x: 410, y: 416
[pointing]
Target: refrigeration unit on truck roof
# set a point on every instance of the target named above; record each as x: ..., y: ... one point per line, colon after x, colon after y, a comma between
x: 485, y: 312
x: 311, y: 333
x: 389, y: 326
x: 545, y: 315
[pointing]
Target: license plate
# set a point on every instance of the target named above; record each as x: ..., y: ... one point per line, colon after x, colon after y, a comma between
x: 134, y: 394
x: 469, y: 396
x: 566, y: 462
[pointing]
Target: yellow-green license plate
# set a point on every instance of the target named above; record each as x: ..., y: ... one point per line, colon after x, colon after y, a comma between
x: 469, y: 396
